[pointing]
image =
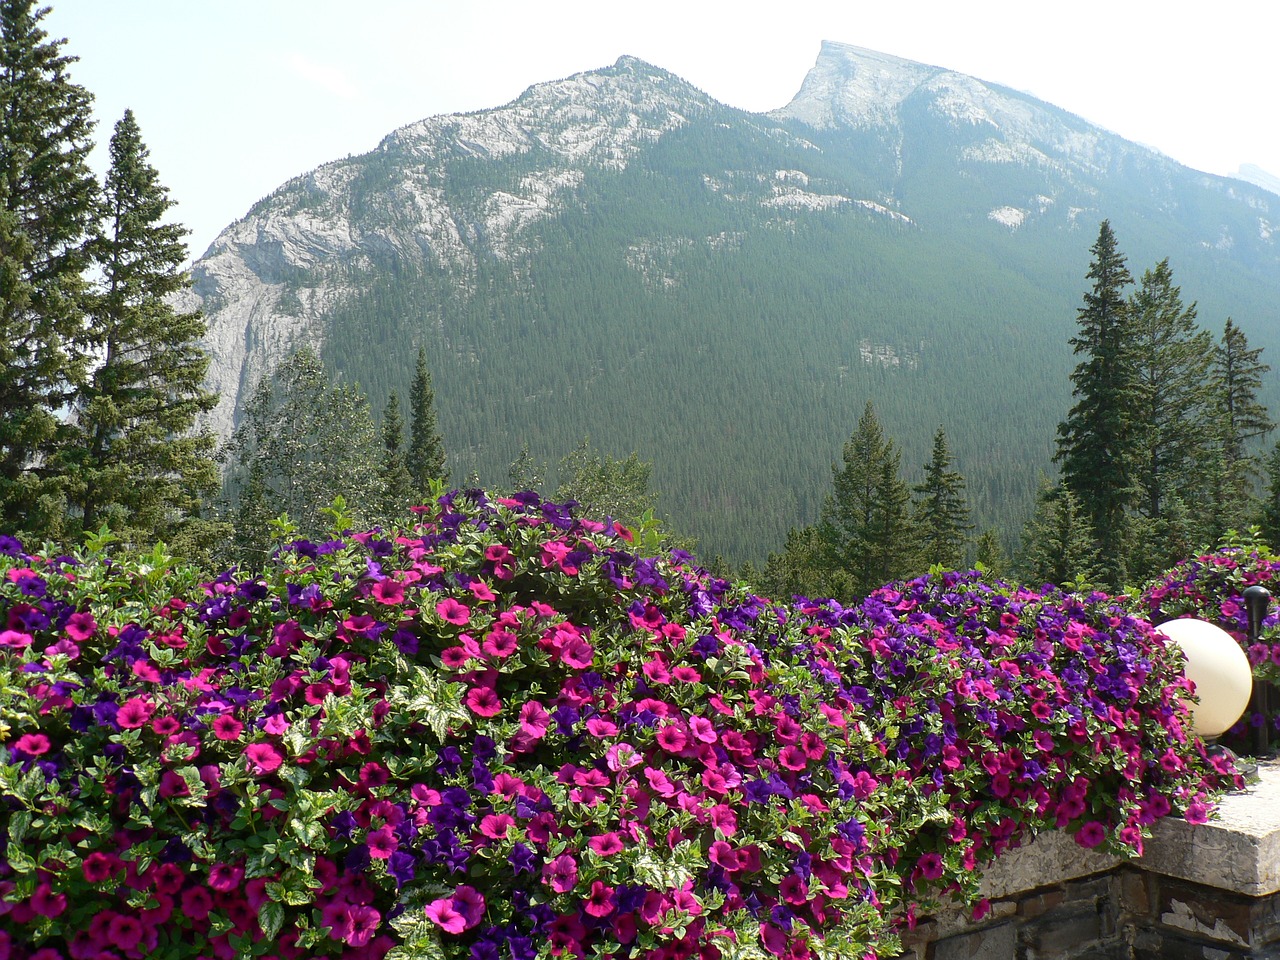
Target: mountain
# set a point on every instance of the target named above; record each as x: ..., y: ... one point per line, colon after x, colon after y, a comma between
x: 616, y: 254
x: 1251, y: 173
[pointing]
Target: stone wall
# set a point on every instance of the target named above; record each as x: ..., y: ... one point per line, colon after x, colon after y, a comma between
x: 1199, y: 892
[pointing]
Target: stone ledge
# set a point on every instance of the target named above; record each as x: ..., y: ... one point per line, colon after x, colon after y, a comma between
x: 1239, y: 851
x: 1200, y: 891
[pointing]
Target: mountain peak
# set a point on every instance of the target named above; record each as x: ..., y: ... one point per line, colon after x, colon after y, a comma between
x: 854, y: 86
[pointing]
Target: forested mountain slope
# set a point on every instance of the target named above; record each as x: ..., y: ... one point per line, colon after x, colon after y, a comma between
x: 617, y: 254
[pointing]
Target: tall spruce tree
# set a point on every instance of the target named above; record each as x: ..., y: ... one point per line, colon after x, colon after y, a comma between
x: 426, y: 458
x: 1172, y: 430
x: 48, y: 198
x: 1239, y: 418
x: 1058, y: 545
x: 140, y: 463
x: 941, y: 513
x: 1269, y: 513
x: 397, y: 483
x: 866, y: 520
x: 1096, y: 447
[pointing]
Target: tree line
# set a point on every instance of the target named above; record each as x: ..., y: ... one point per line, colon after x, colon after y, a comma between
x: 1156, y: 458
x: 101, y: 398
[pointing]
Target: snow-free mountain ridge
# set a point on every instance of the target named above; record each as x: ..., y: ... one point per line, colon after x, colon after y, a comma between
x: 619, y: 235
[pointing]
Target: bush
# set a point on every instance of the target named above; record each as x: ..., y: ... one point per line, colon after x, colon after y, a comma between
x: 1211, y: 587
x: 503, y: 734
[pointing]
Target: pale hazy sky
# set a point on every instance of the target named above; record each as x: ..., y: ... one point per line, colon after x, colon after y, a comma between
x: 236, y: 96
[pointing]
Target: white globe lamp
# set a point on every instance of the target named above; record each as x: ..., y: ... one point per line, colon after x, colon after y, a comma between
x: 1220, y: 670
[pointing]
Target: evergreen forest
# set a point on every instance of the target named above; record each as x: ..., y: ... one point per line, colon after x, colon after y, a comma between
x: 899, y: 422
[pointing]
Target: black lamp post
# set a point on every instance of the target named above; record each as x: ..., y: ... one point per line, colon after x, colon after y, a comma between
x: 1256, y: 601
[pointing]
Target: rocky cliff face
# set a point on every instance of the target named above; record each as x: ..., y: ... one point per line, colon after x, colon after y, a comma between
x: 269, y: 280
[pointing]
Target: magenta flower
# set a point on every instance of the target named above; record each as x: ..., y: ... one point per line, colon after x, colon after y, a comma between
x: 483, y: 701
x: 81, y: 626
x: 672, y: 739
x: 577, y: 653
x: 389, y: 592
x: 451, y: 611
x: 1092, y: 834
x: 32, y: 744
x: 445, y: 915
x: 15, y: 639
x: 495, y: 825
x: 606, y: 844
x: 263, y: 759
x: 561, y: 874
x: 124, y: 932
x: 599, y: 901
x: 46, y: 903
x: 362, y: 922
x: 499, y: 644
x: 133, y: 713
x: 382, y: 842
x: 226, y: 727
x: 534, y: 720
x: 225, y: 877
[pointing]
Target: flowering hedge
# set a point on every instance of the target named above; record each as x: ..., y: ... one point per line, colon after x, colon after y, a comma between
x: 1210, y: 587
x: 503, y: 734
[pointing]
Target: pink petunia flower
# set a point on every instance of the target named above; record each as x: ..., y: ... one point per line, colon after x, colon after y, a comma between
x: 227, y: 727
x: 134, y: 713
x: 382, y: 842
x: 32, y: 744
x: 534, y: 720
x: 225, y: 877
x: 1092, y: 834
x: 599, y: 901
x: 263, y: 759
x: 451, y: 611
x: 445, y: 915
x: 672, y: 739
x: 81, y: 626
x: 483, y: 701
x: 561, y: 874
x: 389, y: 592
x: 499, y: 644
x: 495, y: 825
x: 606, y: 845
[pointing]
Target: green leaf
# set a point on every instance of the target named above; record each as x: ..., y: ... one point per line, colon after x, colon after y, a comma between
x: 270, y: 918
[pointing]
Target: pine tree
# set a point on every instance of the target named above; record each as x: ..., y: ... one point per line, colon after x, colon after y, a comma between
x: 866, y: 520
x: 426, y: 458
x: 140, y: 464
x: 941, y: 514
x: 802, y: 568
x: 1096, y: 441
x: 396, y: 480
x: 1241, y: 417
x: 302, y: 443
x: 48, y: 199
x: 1172, y: 357
x: 1269, y: 519
x: 1058, y: 545
x: 989, y: 553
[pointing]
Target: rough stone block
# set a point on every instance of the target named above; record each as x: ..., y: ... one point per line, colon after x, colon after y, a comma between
x: 993, y: 943
x: 1239, y: 851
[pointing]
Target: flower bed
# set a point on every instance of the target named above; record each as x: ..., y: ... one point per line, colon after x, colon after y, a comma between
x: 502, y: 734
x: 1210, y: 587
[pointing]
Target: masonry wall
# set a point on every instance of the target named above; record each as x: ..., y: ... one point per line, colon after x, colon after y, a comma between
x: 1200, y: 892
